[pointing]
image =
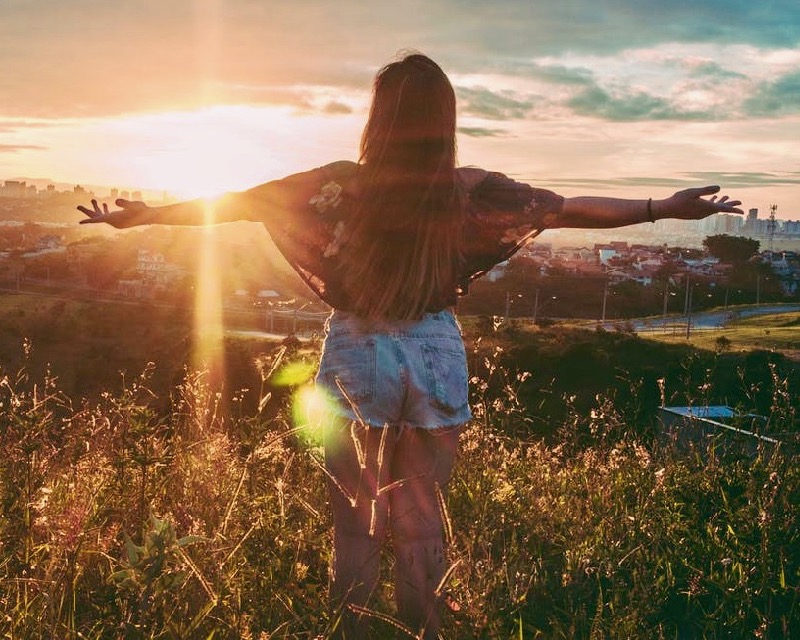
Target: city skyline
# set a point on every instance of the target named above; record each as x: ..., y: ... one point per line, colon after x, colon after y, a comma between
x: 622, y: 98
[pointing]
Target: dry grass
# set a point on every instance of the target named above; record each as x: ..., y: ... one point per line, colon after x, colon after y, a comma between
x: 120, y: 522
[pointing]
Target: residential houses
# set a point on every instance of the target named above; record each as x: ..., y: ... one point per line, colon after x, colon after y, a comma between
x: 620, y: 262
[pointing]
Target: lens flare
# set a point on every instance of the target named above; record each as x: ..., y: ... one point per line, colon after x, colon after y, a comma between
x: 312, y: 409
x: 208, y: 349
x: 293, y: 374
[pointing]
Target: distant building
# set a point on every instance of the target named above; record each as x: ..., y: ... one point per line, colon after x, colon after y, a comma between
x: 14, y: 189
x: 791, y: 227
x: 540, y: 249
x: 155, y: 270
x: 79, y: 253
x: 48, y: 243
x: 130, y: 288
x: 605, y: 254
x: 721, y: 223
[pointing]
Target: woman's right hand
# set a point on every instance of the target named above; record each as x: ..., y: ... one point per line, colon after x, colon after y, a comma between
x: 130, y: 214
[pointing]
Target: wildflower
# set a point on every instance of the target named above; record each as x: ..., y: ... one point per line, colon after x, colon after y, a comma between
x: 642, y: 455
x: 660, y: 477
x: 301, y: 570
x: 504, y: 492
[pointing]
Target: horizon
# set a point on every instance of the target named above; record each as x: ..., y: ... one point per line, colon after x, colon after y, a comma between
x: 196, y: 98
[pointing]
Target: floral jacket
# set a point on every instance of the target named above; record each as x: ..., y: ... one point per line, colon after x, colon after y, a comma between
x: 306, y: 215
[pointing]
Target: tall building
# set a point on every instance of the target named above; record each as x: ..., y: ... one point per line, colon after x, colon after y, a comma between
x: 751, y: 222
x: 14, y: 189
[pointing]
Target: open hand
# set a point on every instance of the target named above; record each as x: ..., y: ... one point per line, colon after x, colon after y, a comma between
x: 130, y: 214
x: 689, y: 204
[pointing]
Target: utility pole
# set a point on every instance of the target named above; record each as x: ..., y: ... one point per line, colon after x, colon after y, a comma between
x: 666, y: 298
x: 535, y: 305
x: 758, y: 288
x: 605, y: 297
x: 686, y: 298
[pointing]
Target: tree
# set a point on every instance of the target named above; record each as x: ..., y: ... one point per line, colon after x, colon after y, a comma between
x: 731, y: 249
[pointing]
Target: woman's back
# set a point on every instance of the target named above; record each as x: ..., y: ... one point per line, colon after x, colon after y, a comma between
x: 402, y: 246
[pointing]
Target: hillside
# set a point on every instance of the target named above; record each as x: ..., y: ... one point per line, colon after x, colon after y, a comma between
x: 94, y: 346
x: 160, y: 509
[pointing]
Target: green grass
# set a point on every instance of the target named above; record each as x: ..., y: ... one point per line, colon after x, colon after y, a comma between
x: 778, y: 332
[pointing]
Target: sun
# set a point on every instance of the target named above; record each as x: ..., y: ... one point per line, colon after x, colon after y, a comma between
x: 203, y: 152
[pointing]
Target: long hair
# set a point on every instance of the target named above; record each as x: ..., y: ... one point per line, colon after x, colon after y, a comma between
x: 403, y: 242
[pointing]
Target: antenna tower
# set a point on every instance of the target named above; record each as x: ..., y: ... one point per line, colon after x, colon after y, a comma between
x: 771, y: 228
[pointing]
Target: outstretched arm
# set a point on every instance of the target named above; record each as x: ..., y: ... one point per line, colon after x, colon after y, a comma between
x: 228, y: 208
x: 598, y: 213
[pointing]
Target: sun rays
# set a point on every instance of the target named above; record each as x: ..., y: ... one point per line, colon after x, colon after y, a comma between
x: 208, y: 346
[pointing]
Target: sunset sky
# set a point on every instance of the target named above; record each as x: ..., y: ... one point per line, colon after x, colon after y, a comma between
x: 618, y: 97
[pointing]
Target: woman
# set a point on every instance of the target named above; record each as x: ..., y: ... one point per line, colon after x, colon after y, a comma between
x: 390, y: 242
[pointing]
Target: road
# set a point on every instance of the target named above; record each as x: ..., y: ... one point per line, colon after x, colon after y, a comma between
x: 708, y: 319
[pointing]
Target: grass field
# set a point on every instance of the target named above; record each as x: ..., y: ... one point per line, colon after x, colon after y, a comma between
x: 161, y: 509
x: 775, y: 332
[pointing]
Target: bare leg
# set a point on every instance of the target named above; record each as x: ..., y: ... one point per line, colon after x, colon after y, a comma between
x: 424, y: 460
x: 354, y: 461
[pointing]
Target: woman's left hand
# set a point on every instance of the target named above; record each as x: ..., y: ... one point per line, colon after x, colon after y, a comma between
x: 690, y: 204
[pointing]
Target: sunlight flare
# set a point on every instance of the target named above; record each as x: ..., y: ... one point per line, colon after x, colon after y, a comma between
x: 312, y: 409
x: 208, y: 348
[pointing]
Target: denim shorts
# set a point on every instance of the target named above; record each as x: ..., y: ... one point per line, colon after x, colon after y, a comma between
x: 396, y: 373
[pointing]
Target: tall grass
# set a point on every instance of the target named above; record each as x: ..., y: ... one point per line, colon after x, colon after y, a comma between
x: 119, y: 521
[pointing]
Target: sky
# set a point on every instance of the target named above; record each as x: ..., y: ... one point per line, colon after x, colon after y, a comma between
x: 607, y: 97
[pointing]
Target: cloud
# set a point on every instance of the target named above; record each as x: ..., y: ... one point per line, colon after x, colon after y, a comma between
x: 777, y: 98
x: 493, y: 105
x: 632, y: 106
x: 710, y: 69
x: 305, y: 99
x: 14, y: 124
x: 482, y: 132
x: 337, y: 108
x: 15, y: 148
x: 96, y: 58
x: 728, y: 180
x: 610, y: 183
x: 550, y: 73
x: 746, y: 179
x: 558, y: 74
